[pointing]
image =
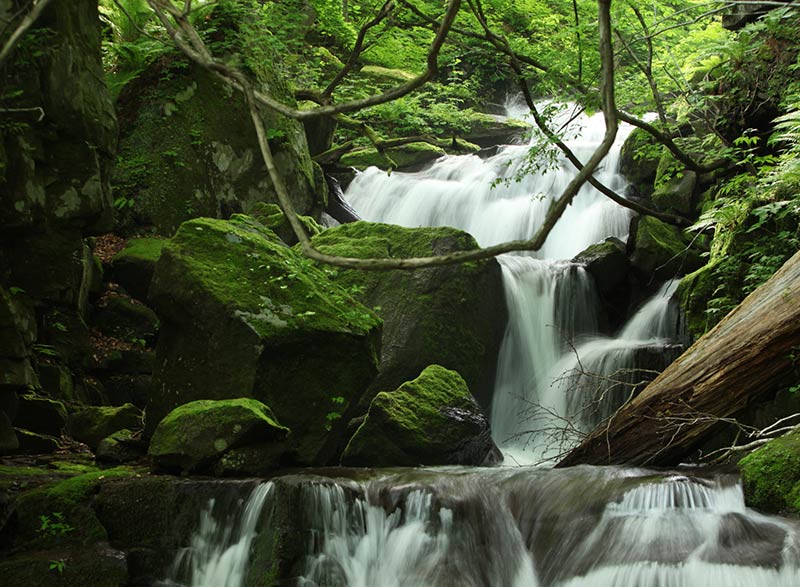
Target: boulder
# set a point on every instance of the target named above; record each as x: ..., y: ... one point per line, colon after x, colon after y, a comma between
x: 606, y: 262
x: 661, y: 251
x: 195, y: 435
x: 410, y: 155
x: 33, y: 443
x: 9, y: 443
x: 453, y: 316
x: 243, y: 315
x: 126, y: 319
x: 189, y: 148
x: 41, y: 414
x: 121, y: 447
x: 489, y: 130
x: 638, y: 161
x: 432, y: 420
x: 133, y: 266
x: 678, y: 194
x: 271, y: 216
x: 771, y: 475
x: 94, y: 423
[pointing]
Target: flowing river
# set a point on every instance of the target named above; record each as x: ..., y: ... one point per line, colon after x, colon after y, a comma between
x: 558, y: 375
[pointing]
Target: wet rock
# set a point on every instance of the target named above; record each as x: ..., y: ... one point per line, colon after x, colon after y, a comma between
x: 245, y: 316
x: 432, y: 420
x: 606, y: 262
x: 193, y: 436
x: 661, y: 251
x: 453, y: 316
x: 41, y: 414
x: 133, y: 266
x: 93, y: 424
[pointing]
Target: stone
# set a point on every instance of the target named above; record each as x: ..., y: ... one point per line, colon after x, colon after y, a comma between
x: 432, y: 420
x: 271, y: 216
x: 606, y: 262
x: 408, y: 156
x: 453, y: 316
x: 243, y: 315
x: 661, y: 251
x: 678, y: 194
x: 41, y: 414
x: 9, y: 443
x: 94, y: 423
x: 195, y: 435
x: 639, y: 159
x: 32, y: 443
x: 489, y: 130
x: 190, y: 149
x: 121, y: 447
x: 133, y: 266
x: 771, y: 476
x: 126, y: 319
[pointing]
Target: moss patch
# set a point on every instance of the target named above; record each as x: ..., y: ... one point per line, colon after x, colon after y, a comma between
x: 427, y: 421
x: 662, y: 250
x: 771, y: 475
x: 408, y: 155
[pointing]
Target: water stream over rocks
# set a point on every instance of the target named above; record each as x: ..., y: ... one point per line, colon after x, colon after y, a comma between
x: 558, y: 375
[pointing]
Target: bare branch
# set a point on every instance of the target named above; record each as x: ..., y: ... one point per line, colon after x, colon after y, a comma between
x: 36, y: 10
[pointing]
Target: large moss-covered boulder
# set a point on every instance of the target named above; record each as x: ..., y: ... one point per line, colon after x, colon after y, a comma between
x: 190, y: 150
x: 606, y: 262
x: 771, y: 475
x: 432, y: 420
x: 453, y: 316
x: 661, y: 251
x: 192, y: 437
x: 638, y: 161
x: 94, y: 423
x: 488, y: 130
x: 243, y: 315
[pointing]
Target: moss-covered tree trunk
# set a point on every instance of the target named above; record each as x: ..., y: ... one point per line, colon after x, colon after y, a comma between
x: 742, y: 359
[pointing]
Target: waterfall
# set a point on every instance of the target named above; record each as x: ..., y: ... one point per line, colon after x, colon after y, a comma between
x: 540, y: 528
x: 543, y: 402
x: 219, y: 552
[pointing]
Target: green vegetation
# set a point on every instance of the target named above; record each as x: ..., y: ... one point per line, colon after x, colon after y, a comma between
x: 771, y: 475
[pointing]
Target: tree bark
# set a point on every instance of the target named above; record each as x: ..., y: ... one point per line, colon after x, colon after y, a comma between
x: 737, y: 363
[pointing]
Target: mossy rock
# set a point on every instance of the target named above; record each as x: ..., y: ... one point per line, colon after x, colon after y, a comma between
x: 41, y: 414
x: 639, y: 160
x: 694, y: 292
x: 126, y: 319
x: 33, y: 443
x: 60, y: 515
x: 133, y: 266
x: 678, y: 194
x: 243, y: 315
x: 271, y: 216
x: 432, y: 420
x: 606, y: 262
x: 453, y: 316
x: 771, y: 475
x: 405, y: 156
x: 190, y: 150
x: 385, y: 74
x: 98, y: 567
x: 662, y: 251
x: 193, y: 436
x: 124, y: 446
x: 489, y: 130
x: 93, y: 424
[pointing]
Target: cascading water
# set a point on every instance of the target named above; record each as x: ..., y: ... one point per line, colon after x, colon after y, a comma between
x: 552, y: 302
x: 219, y: 552
x: 513, y: 526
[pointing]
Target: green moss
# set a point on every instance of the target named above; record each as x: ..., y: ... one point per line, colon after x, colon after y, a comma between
x: 92, y: 424
x: 404, y: 156
x: 694, y: 292
x: 386, y: 74
x: 771, y: 475
x: 146, y: 250
x: 412, y: 425
x: 662, y: 250
x: 271, y: 216
x: 275, y: 290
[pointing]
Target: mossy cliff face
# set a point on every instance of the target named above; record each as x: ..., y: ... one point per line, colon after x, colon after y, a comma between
x: 771, y: 475
x: 452, y: 316
x: 245, y: 316
x: 189, y: 149
x: 432, y: 420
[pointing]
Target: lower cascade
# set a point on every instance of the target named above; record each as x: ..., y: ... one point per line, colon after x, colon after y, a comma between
x: 503, y: 527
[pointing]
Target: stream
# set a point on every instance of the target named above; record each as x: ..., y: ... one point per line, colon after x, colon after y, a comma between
x: 559, y: 373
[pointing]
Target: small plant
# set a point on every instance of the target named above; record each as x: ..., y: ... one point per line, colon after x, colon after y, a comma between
x: 46, y: 350
x: 58, y: 565
x: 54, y: 525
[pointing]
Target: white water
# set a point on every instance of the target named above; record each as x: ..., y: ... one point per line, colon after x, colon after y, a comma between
x: 529, y: 528
x: 219, y: 553
x: 541, y: 406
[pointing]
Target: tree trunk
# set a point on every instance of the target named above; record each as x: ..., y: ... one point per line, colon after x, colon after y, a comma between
x: 738, y: 362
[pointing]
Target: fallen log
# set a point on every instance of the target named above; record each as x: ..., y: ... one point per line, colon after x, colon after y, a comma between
x: 735, y: 364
